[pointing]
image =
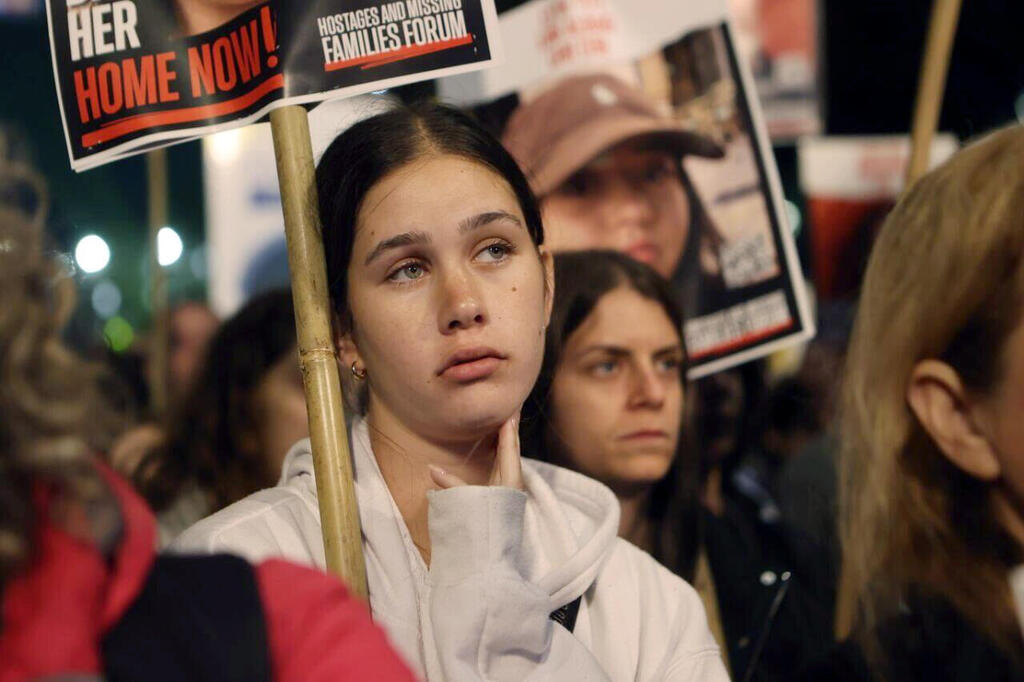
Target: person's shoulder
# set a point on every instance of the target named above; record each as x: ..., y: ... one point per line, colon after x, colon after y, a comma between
x: 651, y: 578
x: 571, y: 488
x: 671, y: 614
x: 276, y: 522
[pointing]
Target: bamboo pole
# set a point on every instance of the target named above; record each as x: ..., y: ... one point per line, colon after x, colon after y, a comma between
x: 939, y: 45
x: 339, y: 515
x: 156, y: 178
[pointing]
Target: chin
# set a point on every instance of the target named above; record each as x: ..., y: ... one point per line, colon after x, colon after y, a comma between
x: 646, y: 469
x: 478, y: 415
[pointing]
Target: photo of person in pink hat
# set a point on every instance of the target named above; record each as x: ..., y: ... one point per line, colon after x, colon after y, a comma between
x: 605, y: 163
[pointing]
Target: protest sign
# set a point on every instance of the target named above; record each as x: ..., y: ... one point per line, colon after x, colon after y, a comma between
x: 134, y: 74
x: 851, y: 183
x: 779, y: 41
x: 240, y: 188
x: 737, y: 269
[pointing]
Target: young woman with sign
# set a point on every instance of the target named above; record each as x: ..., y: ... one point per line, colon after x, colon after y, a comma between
x: 481, y: 564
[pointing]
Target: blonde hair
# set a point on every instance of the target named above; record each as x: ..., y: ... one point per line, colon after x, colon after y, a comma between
x: 946, y: 281
x: 51, y: 421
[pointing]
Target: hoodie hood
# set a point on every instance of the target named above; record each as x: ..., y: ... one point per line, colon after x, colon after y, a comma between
x: 569, y: 525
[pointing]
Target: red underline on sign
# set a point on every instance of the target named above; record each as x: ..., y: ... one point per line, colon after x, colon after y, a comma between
x: 370, y: 61
x: 126, y: 126
x: 742, y: 341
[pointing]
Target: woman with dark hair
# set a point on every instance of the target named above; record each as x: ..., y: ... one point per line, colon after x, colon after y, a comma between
x: 481, y: 564
x: 231, y: 431
x: 610, y: 403
x: 82, y: 594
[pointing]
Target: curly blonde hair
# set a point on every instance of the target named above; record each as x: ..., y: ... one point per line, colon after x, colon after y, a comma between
x: 51, y: 420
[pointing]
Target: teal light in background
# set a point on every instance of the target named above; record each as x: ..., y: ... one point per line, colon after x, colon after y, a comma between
x: 795, y: 221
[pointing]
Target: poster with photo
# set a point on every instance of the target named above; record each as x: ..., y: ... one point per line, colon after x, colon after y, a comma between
x: 639, y: 127
x: 135, y: 74
x: 779, y: 41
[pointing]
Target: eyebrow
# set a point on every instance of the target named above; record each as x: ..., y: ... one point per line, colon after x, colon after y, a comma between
x: 481, y: 219
x: 404, y: 239
x: 618, y: 351
x: 419, y: 237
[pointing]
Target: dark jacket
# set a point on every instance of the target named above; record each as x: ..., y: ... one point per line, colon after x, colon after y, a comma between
x: 930, y: 641
x: 775, y: 593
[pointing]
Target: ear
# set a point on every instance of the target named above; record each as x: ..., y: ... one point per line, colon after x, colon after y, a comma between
x: 942, y: 405
x: 548, y: 264
x: 345, y: 348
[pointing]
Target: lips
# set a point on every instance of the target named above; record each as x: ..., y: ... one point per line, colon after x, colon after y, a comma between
x: 645, y: 434
x: 471, y: 364
x: 645, y: 252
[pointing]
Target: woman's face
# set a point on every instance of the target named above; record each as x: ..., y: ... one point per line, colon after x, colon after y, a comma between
x: 617, y: 396
x: 449, y: 299
x: 629, y: 200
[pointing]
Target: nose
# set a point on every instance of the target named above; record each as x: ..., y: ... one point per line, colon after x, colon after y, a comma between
x: 647, y: 389
x: 461, y: 305
x: 630, y: 204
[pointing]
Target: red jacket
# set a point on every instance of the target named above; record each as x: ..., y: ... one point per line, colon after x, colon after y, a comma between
x: 56, y: 613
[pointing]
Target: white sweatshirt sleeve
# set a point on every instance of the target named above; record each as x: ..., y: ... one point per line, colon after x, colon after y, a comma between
x: 485, y: 619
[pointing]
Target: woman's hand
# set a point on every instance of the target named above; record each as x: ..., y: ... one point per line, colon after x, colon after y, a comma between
x: 508, y: 467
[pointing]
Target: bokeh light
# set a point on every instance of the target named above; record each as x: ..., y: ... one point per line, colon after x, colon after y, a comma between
x: 118, y: 334
x: 168, y: 246
x: 106, y: 299
x: 92, y: 253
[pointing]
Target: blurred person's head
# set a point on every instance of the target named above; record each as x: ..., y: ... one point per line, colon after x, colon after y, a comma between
x: 606, y: 166
x: 52, y: 421
x: 436, y: 275
x: 230, y: 433
x: 609, y: 400
x: 191, y: 325
x: 933, y: 403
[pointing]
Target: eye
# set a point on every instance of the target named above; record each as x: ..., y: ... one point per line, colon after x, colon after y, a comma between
x: 669, y: 365
x: 408, y: 272
x: 604, y: 368
x: 578, y: 185
x: 495, y: 253
x: 656, y: 172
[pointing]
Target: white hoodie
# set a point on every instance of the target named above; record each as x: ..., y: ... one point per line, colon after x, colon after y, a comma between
x: 501, y: 562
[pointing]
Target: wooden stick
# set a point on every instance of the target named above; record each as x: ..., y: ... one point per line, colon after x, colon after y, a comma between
x: 941, y: 31
x: 156, y: 177
x: 339, y: 515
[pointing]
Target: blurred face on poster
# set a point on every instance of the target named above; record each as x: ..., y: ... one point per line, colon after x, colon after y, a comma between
x: 628, y: 199
x: 605, y: 162
x: 199, y: 16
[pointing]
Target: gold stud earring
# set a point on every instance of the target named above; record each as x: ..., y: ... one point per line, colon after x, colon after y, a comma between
x: 359, y: 374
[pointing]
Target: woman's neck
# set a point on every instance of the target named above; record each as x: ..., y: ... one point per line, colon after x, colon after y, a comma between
x: 633, y: 523
x: 1010, y: 513
x: 712, y: 496
x: 403, y: 456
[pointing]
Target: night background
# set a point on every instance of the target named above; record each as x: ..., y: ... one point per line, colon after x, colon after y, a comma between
x: 870, y: 53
